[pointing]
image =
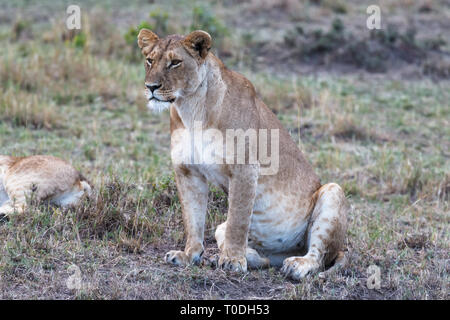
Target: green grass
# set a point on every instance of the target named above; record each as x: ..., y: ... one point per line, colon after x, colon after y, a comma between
x: 383, y: 139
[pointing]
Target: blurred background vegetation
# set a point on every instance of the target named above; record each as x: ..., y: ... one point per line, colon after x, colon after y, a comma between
x: 370, y: 109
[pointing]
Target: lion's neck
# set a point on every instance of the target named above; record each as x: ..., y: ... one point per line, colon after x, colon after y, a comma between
x: 204, y: 104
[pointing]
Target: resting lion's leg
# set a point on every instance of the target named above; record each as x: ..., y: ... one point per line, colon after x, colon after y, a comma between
x: 9, y: 208
x: 72, y: 196
x: 13, y: 202
x: 326, y: 233
x: 254, y: 260
x: 193, y: 193
x: 3, y: 195
x: 19, y: 197
x: 339, y: 263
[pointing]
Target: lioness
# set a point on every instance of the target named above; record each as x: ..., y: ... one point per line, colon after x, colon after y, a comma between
x: 41, y: 178
x: 287, y: 218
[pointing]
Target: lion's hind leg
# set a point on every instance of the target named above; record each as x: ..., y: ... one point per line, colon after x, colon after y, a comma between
x: 72, y: 196
x: 338, y: 264
x: 326, y: 234
x: 254, y: 259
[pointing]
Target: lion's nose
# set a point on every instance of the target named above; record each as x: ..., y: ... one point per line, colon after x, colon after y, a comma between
x: 152, y: 87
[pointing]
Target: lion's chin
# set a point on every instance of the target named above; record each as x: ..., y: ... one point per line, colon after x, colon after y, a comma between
x: 158, y: 106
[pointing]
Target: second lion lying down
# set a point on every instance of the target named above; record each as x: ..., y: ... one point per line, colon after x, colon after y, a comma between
x: 284, y: 219
x: 41, y: 178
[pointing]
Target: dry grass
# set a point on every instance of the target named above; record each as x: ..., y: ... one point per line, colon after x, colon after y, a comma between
x: 383, y: 139
x: 24, y: 109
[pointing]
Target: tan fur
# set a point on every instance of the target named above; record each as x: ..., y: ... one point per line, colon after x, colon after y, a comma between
x: 279, y: 216
x: 38, y: 178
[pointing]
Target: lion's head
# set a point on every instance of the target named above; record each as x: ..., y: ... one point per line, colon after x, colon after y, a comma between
x: 174, y: 65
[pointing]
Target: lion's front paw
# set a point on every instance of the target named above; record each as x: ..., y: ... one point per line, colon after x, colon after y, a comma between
x: 176, y: 257
x: 299, y: 267
x: 233, y: 263
x: 181, y: 258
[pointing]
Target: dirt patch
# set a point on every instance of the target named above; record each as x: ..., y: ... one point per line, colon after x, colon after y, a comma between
x: 382, y: 50
x: 331, y: 36
x: 415, y: 241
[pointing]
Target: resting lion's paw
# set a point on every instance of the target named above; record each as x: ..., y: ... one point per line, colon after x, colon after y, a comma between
x: 299, y: 267
x: 232, y: 263
x: 176, y: 257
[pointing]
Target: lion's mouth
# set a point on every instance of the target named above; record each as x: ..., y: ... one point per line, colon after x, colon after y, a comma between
x: 154, y: 98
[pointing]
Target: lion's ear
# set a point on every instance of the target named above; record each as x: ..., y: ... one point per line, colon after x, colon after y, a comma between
x: 146, y: 38
x: 198, y: 42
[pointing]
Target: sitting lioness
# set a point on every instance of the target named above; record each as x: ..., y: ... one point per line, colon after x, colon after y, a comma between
x: 284, y: 218
x: 38, y: 178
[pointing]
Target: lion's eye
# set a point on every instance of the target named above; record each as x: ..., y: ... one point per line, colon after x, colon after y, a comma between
x: 149, y: 61
x: 174, y: 63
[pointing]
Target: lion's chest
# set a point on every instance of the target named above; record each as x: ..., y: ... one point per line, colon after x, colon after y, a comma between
x: 202, y: 155
x: 278, y: 221
x: 214, y: 175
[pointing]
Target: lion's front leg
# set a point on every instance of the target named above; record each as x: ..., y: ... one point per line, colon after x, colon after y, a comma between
x: 193, y: 193
x: 242, y: 192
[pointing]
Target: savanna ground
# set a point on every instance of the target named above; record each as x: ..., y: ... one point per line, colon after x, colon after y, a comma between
x: 370, y: 110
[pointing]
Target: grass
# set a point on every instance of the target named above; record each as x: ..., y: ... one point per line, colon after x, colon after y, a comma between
x: 383, y: 138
